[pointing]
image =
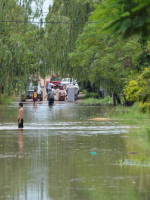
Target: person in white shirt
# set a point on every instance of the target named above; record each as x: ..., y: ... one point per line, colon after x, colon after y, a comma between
x: 49, y: 86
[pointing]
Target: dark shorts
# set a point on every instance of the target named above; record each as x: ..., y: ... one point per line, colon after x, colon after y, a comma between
x: 51, y: 101
x: 21, y: 124
x: 34, y: 99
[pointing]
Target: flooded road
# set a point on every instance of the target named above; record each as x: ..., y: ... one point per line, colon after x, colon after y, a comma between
x: 62, y: 155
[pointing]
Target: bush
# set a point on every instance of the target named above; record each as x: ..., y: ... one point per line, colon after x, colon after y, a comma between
x: 105, y: 101
x: 84, y: 91
x: 143, y: 107
x: 5, y: 99
x: 90, y: 94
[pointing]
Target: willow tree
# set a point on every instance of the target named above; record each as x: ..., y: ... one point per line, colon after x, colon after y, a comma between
x: 65, y: 22
x: 18, y: 43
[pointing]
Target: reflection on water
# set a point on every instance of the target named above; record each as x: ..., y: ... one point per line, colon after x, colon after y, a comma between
x: 51, y: 159
x: 20, y: 141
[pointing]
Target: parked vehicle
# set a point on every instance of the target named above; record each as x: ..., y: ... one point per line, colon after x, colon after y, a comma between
x: 66, y: 81
x: 55, y: 80
x: 70, y: 81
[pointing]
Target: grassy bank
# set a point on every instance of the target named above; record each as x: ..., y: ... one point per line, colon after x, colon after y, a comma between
x: 130, y: 115
x: 138, y: 140
x: 105, y: 101
x: 137, y: 147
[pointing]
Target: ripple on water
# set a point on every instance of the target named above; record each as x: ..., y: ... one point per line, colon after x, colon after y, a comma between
x: 71, y: 128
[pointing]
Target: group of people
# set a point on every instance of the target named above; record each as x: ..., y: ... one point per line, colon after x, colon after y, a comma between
x: 50, y: 95
x: 51, y: 92
x: 35, y: 98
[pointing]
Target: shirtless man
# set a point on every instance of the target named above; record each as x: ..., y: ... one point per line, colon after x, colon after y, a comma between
x: 20, y: 116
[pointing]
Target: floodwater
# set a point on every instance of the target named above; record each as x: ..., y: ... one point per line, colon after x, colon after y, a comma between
x: 62, y: 155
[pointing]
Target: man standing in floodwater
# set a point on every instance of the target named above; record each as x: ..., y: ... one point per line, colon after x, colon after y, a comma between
x: 20, y: 115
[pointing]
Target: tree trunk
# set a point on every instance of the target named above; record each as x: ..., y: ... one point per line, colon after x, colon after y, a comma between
x: 114, y: 99
x: 2, y: 89
x: 128, y: 103
x: 118, y: 99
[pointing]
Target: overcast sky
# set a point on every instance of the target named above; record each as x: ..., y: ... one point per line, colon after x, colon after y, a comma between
x: 46, y: 5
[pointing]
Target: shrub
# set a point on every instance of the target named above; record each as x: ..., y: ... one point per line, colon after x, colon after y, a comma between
x: 143, y: 107
x: 5, y: 99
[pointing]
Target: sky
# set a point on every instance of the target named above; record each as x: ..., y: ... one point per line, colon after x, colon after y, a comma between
x: 45, y: 9
x: 46, y: 5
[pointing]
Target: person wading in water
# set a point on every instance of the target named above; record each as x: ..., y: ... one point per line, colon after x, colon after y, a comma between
x: 20, y: 116
x: 50, y: 97
x: 35, y: 96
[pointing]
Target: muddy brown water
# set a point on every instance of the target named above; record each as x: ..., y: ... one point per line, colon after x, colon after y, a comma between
x: 62, y: 155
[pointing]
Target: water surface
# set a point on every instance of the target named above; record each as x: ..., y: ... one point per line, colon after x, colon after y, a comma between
x: 62, y: 155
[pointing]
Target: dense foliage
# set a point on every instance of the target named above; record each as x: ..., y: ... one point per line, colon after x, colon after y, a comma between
x: 105, y: 58
x: 139, y: 89
x: 126, y: 17
x: 69, y: 18
x: 107, y: 61
x: 18, y: 52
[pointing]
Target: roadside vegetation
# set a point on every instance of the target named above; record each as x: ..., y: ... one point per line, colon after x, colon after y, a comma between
x: 20, y: 46
x: 138, y: 145
x: 106, y: 101
x: 138, y: 137
x: 6, y: 100
x: 130, y: 115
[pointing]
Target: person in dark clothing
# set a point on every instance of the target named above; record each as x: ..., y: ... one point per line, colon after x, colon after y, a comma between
x: 50, y: 97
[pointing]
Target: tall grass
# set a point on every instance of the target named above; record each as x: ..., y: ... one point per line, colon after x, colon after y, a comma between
x: 138, y: 147
x: 138, y: 140
x: 105, y: 101
x: 130, y: 115
x: 90, y: 94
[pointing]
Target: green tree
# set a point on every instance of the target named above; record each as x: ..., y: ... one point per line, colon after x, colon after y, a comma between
x: 68, y: 19
x: 104, y: 60
x: 18, y: 53
x: 124, y: 17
